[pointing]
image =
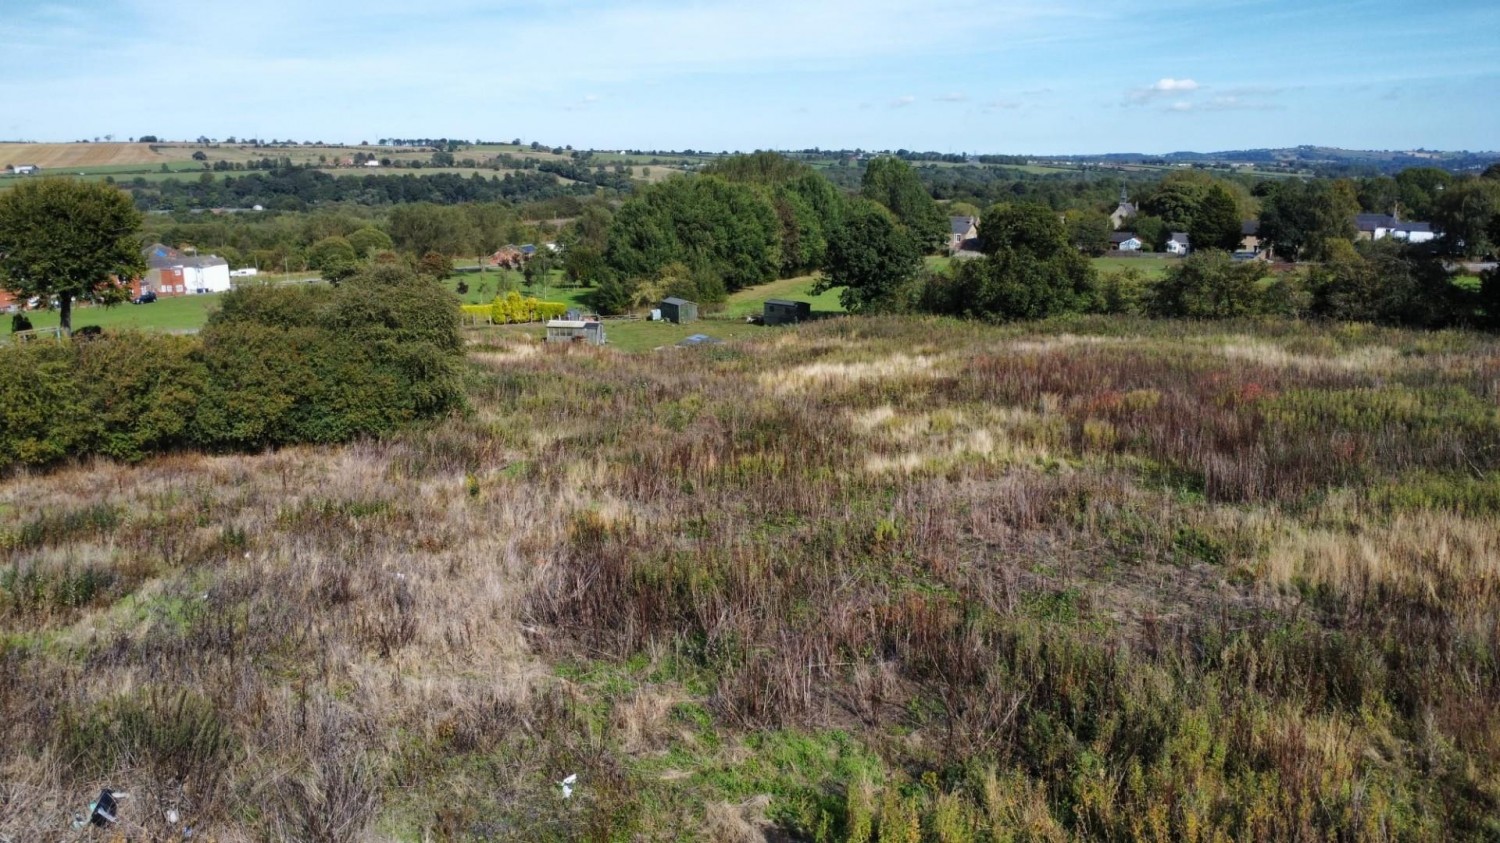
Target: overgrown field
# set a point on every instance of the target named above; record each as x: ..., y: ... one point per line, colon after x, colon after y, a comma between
x: 867, y: 579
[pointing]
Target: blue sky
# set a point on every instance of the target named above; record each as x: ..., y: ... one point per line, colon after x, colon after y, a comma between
x: 961, y: 75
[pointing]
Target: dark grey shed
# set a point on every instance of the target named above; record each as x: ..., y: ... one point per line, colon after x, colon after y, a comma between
x: 785, y: 312
x: 678, y: 310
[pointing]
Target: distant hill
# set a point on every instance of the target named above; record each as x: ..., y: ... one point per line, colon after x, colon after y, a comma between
x: 1313, y: 158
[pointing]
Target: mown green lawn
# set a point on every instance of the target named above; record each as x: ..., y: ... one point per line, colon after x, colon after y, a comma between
x: 749, y: 301
x: 181, y: 314
x: 1152, y: 266
x: 639, y: 334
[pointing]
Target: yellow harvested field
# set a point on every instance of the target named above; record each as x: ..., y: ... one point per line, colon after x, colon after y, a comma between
x: 75, y: 156
x: 67, y: 156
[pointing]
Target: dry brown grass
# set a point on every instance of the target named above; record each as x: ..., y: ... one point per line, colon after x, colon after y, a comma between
x: 73, y: 156
x: 1041, y: 585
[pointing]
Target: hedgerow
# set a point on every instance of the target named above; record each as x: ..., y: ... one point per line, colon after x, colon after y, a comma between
x: 274, y: 366
x: 513, y: 309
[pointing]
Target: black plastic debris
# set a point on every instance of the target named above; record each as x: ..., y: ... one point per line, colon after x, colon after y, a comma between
x: 103, y: 812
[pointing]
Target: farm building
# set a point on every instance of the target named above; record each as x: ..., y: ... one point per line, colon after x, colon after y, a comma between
x: 785, y: 312
x: 680, y: 311
x: 173, y: 273
x: 1125, y: 241
x: 23, y: 169
x: 589, y: 331
x: 1179, y: 244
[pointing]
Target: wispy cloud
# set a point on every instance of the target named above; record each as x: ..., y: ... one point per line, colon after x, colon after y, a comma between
x: 1162, y: 88
x: 587, y: 101
x: 902, y: 102
x: 1223, y: 103
x: 954, y: 97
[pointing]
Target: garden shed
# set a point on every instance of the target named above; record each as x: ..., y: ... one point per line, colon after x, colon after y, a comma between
x: 680, y: 311
x: 590, y: 331
x: 785, y: 312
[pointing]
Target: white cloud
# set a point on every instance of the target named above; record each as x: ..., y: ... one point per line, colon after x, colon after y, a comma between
x: 954, y: 97
x: 1169, y: 85
x: 902, y: 102
x: 1165, y: 87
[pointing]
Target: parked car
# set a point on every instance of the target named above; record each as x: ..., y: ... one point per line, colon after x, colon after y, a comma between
x: 144, y: 298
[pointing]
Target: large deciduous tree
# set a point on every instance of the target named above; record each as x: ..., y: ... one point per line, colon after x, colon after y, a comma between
x: 1303, y: 219
x: 875, y: 260
x: 334, y: 258
x: 1031, y: 270
x: 69, y: 240
x: 1465, y: 214
x: 1216, y: 224
x: 717, y: 228
x: 894, y: 184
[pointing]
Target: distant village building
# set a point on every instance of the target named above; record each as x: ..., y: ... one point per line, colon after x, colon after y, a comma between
x: 785, y: 312
x: 1123, y: 212
x: 963, y: 234
x: 173, y: 273
x: 1381, y: 226
x: 1252, y: 247
x: 1125, y: 241
x: 22, y: 169
x: 1250, y: 236
x: 680, y: 311
x: 589, y: 331
x: 508, y: 257
x: 1179, y: 244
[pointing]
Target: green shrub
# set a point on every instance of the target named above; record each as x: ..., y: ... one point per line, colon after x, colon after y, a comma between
x: 44, y: 414
x: 275, y: 365
x: 142, y: 392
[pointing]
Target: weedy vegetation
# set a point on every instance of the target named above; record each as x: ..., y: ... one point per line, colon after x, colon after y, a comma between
x: 881, y: 579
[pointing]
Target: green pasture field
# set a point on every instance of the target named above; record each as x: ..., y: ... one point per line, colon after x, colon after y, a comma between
x: 177, y: 315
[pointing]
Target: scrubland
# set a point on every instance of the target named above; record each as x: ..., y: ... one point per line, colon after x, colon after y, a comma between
x: 868, y: 579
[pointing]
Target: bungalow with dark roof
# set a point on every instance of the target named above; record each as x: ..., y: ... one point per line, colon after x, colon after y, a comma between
x: 1179, y: 244
x: 1125, y: 241
x: 1381, y: 226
